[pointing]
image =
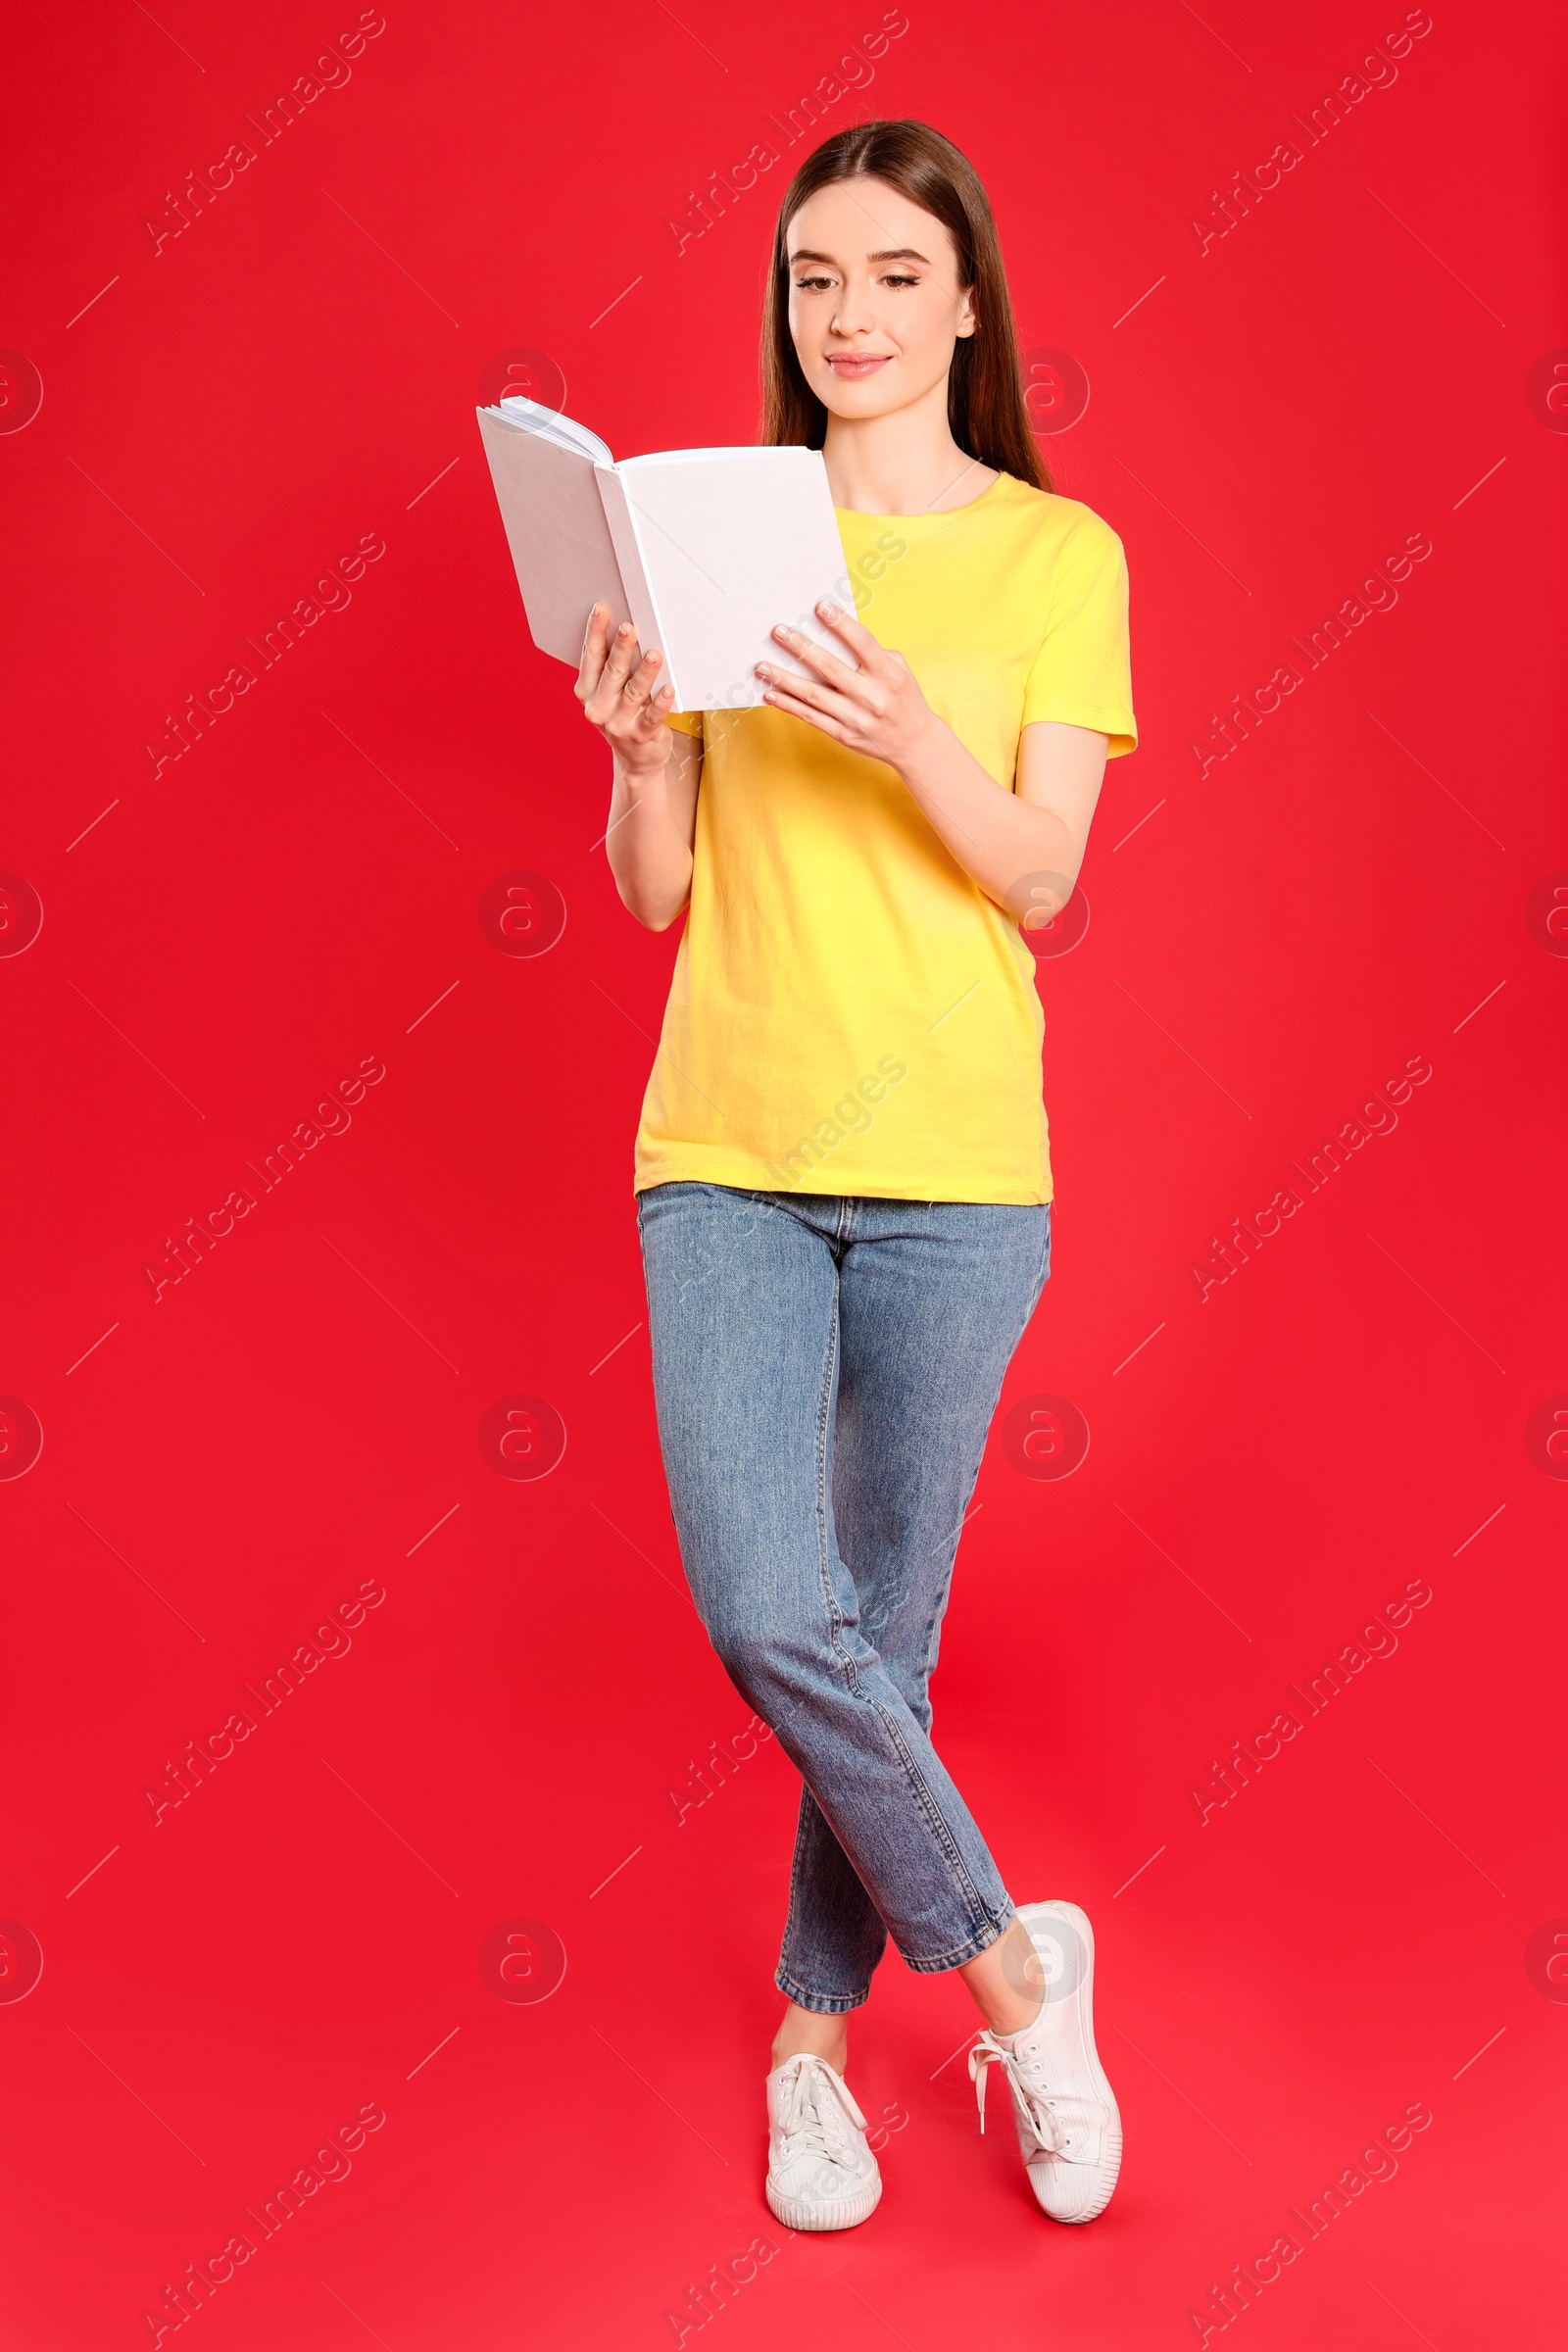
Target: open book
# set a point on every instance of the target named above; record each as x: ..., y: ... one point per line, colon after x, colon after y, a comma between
x: 705, y: 550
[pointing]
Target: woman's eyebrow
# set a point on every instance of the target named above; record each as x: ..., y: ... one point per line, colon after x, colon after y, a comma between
x: 903, y: 253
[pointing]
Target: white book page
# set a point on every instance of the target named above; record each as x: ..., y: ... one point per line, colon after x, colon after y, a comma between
x: 548, y: 491
x: 733, y: 542
x: 666, y: 457
x: 527, y: 414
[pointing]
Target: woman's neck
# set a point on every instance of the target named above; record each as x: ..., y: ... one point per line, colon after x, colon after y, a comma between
x: 906, y: 463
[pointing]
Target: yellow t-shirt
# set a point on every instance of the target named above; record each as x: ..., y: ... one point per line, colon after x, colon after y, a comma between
x: 850, y: 1012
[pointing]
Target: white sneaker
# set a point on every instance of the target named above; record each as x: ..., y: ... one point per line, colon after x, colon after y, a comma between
x: 1069, y: 2129
x: 822, y: 2174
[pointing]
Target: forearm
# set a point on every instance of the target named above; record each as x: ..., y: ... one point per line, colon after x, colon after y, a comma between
x: 649, y: 851
x: 1024, y: 856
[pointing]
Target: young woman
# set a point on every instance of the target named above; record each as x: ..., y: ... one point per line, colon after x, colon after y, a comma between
x: 843, y: 1175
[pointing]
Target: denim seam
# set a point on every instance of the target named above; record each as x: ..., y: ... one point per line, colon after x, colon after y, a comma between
x: 962, y: 1953
x: 829, y: 1601
x: 935, y: 1620
x: 994, y: 1923
x: 959, y: 1880
x: 824, y: 1414
x: 957, y: 1870
x: 822, y: 2004
x: 795, y: 1885
x: 837, y: 2004
x: 939, y: 1612
x: 939, y: 1826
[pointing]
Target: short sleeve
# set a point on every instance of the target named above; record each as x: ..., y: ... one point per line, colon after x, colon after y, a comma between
x: 1082, y: 673
x: 690, y: 722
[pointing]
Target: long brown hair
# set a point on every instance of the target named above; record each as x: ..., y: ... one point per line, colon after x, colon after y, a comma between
x: 986, y: 412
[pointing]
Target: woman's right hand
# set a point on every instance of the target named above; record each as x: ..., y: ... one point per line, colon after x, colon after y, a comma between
x: 615, y: 689
x: 652, y: 798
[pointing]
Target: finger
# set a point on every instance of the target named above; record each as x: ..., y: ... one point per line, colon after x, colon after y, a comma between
x: 622, y: 658
x: 826, y: 665
x: 646, y: 681
x: 605, y: 682
x: 612, y: 677
x: 781, y: 698
x: 632, y: 718
x: 592, y: 658
x: 820, y: 695
x: 641, y: 726
x: 638, y: 685
x: 651, y: 717
x: 853, y: 633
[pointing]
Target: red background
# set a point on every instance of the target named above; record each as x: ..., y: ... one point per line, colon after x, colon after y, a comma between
x: 222, y: 418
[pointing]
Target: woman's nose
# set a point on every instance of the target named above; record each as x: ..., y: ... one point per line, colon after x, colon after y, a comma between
x: 853, y: 313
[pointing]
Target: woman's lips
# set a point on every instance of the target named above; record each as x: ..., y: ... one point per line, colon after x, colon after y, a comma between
x: 846, y: 363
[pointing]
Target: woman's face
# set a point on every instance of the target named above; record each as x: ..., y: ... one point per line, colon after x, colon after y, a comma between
x: 875, y: 305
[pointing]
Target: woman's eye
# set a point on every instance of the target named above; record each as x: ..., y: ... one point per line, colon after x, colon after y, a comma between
x: 811, y: 285
x: 900, y: 281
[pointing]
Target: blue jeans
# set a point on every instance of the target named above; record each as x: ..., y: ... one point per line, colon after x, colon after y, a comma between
x: 825, y: 1369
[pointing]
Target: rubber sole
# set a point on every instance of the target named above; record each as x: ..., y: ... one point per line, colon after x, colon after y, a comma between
x: 1109, y: 2166
x: 1111, y: 2169
x: 849, y: 2214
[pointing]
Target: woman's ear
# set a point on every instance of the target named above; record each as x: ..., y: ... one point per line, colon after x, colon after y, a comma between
x: 967, y: 322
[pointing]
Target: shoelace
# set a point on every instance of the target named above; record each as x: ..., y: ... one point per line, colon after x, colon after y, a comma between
x: 813, y: 2114
x: 988, y: 2051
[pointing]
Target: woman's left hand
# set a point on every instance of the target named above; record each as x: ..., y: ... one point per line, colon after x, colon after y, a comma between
x: 876, y: 709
